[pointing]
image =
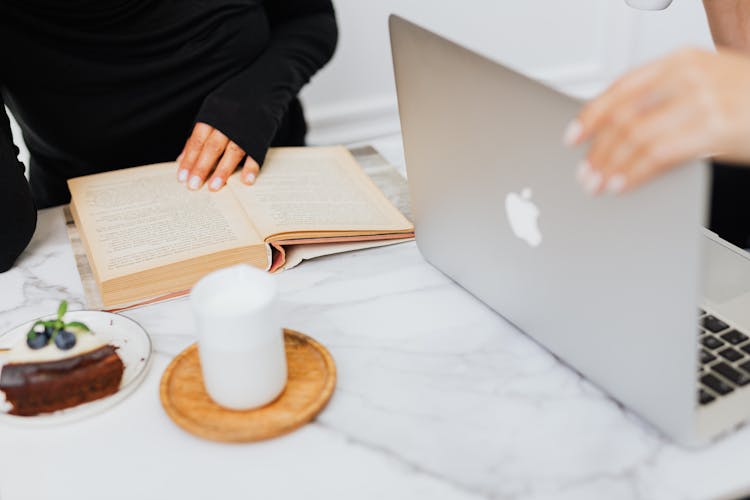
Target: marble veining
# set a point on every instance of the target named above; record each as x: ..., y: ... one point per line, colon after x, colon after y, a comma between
x: 438, y: 398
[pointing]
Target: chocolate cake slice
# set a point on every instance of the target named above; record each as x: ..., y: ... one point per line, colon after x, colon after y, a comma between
x: 47, y: 386
x: 57, y: 365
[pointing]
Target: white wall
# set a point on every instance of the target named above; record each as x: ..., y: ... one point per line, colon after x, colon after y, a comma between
x: 576, y: 45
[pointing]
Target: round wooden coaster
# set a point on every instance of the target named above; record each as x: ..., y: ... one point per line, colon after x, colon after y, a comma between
x: 310, y: 384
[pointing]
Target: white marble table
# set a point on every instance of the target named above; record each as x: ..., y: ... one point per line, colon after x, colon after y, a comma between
x: 438, y: 397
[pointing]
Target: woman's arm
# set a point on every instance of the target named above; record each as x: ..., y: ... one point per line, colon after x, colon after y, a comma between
x: 17, y: 209
x: 243, y: 115
x: 730, y: 23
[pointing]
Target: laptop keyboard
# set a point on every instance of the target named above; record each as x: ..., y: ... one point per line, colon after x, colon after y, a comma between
x: 724, y: 358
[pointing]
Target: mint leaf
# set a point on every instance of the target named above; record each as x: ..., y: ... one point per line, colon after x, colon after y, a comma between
x: 79, y: 325
x: 31, y: 332
x: 38, y: 322
x: 62, y: 309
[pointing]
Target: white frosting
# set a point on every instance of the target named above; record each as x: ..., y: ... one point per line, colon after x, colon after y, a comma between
x: 22, y: 353
x: 5, y: 405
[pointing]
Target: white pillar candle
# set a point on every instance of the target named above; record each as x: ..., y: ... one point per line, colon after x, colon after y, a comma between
x: 240, y: 339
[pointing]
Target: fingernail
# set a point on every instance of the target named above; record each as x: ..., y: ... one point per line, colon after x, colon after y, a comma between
x: 250, y: 178
x: 572, y: 133
x: 588, y: 177
x: 593, y: 182
x: 216, y: 184
x: 182, y: 175
x: 584, y: 170
x: 616, y: 184
x: 195, y: 182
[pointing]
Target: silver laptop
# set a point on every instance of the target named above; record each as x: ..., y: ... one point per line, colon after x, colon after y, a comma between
x: 631, y: 291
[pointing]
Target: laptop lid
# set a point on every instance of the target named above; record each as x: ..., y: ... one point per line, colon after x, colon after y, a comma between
x: 608, y: 284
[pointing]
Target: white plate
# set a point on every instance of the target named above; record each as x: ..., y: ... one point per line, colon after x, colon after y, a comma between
x: 134, y: 348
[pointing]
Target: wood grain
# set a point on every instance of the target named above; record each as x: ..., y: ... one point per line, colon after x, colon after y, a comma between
x: 310, y: 384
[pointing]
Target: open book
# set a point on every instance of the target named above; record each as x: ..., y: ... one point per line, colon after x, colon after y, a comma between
x: 147, y: 237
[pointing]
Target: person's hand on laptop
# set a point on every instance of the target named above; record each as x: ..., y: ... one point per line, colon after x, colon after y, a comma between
x: 209, y: 154
x: 691, y: 104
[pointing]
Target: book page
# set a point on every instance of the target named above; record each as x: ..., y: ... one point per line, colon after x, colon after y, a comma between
x: 295, y: 254
x: 315, y: 190
x: 141, y: 218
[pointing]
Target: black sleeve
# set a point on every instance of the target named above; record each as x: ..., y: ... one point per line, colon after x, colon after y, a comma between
x: 17, y: 207
x: 250, y: 107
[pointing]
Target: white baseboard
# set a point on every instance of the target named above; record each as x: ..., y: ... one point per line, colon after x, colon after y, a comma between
x: 352, y: 121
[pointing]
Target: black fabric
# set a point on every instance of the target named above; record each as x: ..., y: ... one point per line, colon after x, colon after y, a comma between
x: 730, y: 203
x: 106, y: 84
x: 16, y: 204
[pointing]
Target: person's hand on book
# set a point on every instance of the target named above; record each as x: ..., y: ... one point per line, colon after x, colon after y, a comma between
x: 209, y: 156
x: 689, y: 105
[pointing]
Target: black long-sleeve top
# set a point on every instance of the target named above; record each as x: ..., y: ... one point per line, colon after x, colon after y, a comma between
x: 106, y: 84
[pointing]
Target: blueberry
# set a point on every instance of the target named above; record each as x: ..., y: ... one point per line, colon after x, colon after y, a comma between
x: 65, y: 340
x: 38, y: 337
x: 36, y: 340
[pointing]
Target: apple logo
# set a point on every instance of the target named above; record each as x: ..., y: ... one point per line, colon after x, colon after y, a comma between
x: 523, y: 216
